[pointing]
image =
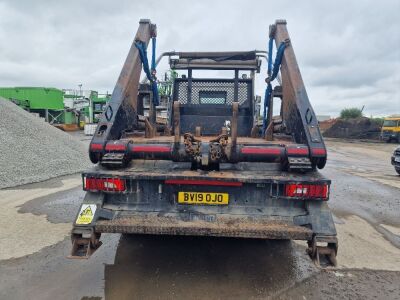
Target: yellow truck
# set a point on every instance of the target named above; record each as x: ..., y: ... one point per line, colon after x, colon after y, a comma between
x: 391, y: 129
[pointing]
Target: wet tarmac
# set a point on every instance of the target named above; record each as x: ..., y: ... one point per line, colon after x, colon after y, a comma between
x: 364, y: 195
x: 202, y: 268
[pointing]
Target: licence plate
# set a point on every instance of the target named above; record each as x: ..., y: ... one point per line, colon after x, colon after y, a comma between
x: 203, y: 198
x: 397, y: 159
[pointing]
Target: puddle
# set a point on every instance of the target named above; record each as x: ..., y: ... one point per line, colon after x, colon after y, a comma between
x: 392, y: 229
x: 387, y: 179
x: 161, y: 267
x: 23, y: 234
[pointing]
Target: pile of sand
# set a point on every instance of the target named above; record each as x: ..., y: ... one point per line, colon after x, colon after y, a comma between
x: 31, y: 150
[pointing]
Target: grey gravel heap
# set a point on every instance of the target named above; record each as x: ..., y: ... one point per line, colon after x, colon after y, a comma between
x: 31, y: 150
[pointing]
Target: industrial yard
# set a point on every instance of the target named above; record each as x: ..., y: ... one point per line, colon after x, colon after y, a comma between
x: 364, y: 202
x: 148, y: 267
x: 199, y: 150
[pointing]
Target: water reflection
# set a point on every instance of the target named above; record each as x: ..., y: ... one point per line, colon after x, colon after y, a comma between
x: 173, y: 267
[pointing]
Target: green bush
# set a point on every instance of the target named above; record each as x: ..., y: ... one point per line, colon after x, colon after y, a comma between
x: 351, y: 113
x: 377, y: 121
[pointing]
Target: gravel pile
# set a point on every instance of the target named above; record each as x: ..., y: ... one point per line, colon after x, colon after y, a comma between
x: 31, y: 150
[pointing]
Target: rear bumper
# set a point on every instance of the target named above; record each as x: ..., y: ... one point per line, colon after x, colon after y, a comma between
x: 218, y: 226
x: 316, y: 220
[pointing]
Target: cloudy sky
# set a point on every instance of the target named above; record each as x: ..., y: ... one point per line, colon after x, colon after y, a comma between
x: 348, y: 51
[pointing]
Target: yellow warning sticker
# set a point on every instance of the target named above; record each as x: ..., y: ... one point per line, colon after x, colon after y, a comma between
x: 86, y: 214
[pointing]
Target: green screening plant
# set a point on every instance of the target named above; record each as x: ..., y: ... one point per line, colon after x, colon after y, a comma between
x: 351, y: 113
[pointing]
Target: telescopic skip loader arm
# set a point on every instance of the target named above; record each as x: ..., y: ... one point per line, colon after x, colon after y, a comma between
x: 298, y: 118
x: 121, y: 114
x: 297, y: 112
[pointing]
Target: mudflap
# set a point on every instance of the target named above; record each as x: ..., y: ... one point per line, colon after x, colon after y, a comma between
x: 323, y: 251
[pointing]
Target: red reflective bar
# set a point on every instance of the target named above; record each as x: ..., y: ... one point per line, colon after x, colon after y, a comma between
x: 253, y: 150
x: 297, y: 151
x: 203, y: 182
x: 318, y: 151
x: 311, y: 191
x: 96, y: 146
x: 151, y: 149
x: 115, y: 147
x: 105, y: 184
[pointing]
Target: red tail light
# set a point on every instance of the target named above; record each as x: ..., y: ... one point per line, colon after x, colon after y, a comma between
x: 104, y: 184
x: 310, y: 191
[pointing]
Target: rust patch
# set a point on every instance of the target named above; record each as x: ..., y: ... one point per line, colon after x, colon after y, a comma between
x: 241, y: 227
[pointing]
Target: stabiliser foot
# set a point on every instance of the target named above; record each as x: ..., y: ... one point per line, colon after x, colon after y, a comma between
x: 323, y: 251
x: 83, y: 248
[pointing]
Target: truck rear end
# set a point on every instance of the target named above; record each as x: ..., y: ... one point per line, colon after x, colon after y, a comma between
x: 391, y: 129
x: 212, y: 169
x: 241, y: 201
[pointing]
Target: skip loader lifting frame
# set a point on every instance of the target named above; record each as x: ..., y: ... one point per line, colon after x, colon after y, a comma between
x: 212, y: 169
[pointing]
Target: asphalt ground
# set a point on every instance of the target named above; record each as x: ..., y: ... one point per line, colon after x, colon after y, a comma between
x: 35, y: 221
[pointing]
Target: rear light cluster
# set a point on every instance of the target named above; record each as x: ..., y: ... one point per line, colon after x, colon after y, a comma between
x: 309, y: 191
x: 104, y: 184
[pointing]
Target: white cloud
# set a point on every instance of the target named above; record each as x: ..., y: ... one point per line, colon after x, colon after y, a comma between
x: 348, y: 52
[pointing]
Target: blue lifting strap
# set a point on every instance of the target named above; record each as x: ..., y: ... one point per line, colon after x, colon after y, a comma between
x: 272, y: 73
x: 141, y: 46
x: 153, y: 54
x: 270, y: 45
